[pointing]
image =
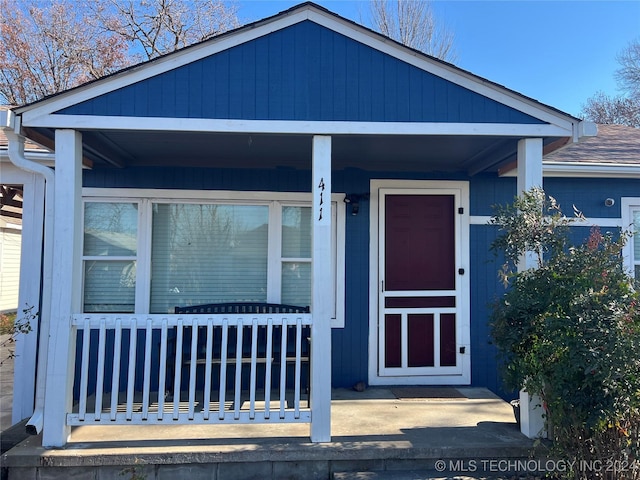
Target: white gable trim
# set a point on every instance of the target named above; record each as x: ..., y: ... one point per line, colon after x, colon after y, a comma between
x: 351, y: 30
x: 89, y: 122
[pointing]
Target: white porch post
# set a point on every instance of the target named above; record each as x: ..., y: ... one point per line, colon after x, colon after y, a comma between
x: 65, y: 292
x: 321, y: 286
x: 530, y: 176
x: 24, y: 383
x: 529, y: 164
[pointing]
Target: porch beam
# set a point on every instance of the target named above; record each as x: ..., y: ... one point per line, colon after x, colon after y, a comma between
x: 312, y: 127
x: 321, y: 286
x: 530, y: 176
x: 65, y: 292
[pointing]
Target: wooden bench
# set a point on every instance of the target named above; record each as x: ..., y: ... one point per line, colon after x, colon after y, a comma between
x: 240, y: 308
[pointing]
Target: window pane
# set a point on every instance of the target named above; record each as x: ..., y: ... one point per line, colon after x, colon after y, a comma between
x: 296, y: 283
x: 296, y: 232
x: 208, y: 254
x: 109, y: 286
x: 110, y: 229
x: 636, y: 236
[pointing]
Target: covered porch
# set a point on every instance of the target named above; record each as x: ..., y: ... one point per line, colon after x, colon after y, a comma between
x: 378, y: 430
x: 217, y: 132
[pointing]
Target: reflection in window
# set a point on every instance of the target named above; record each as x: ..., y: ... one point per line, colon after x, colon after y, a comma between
x: 296, y: 256
x: 110, y: 229
x: 109, y: 286
x: 208, y: 254
x: 110, y: 248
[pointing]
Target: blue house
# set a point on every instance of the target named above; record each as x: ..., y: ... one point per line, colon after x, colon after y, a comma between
x: 302, y: 160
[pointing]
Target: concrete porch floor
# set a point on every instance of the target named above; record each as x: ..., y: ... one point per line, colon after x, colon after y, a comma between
x: 372, y: 430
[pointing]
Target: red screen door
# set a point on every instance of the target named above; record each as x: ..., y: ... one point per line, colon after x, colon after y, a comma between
x: 419, y: 295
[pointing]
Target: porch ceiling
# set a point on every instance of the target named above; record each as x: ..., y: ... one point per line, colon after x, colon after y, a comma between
x: 243, y: 150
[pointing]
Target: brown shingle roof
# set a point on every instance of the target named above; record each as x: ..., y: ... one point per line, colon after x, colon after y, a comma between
x: 614, y: 144
x: 4, y: 143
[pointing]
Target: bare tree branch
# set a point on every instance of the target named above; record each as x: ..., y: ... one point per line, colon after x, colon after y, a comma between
x: 619, y: 110
x: 628, y: 75
x: 44, y: 50
x: 412, y: 23
x: 159, y: 27
x: 622, y: 109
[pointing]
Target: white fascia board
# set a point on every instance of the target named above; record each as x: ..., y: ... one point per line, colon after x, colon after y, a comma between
x: 342, y: 26
x: 88, y: 122
x: 605, y: 222
x: 585, y: 170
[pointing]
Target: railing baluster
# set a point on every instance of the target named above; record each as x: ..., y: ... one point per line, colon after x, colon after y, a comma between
x: 207, y: 370
x: 267, y: 373
x: 298, y: 368
x: 100, y: 373
x: 192, y: 368
x: 238, y: 384
x: 115, y: 379
x: 223, y: 368
x: 147, y: 372
x: 84, y: 369
x: 252, y: 376
x: 131, y: 377
x: 177, y: 370
x: 283, y: 367
x: 163, y: 368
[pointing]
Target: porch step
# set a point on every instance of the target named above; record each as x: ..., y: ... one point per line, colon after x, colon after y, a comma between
x: 375, y: 435
x: 426, y: 475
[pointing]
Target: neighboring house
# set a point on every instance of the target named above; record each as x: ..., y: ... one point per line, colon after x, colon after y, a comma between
x: 21, y: 224
x: 10, y: 236
x: 300, y: 160
x: 610, y: 157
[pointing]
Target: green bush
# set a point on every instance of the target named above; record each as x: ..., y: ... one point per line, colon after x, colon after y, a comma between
x: 569, y: 331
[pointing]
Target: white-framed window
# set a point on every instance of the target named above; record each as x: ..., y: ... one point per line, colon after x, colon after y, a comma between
x: 110, y: 256
x: 631, y: 221
x: 148, y: 251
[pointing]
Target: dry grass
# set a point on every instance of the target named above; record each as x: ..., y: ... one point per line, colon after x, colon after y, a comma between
x: 7, y: 322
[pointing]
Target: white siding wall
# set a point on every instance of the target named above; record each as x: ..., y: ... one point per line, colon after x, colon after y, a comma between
x: 10, y: 240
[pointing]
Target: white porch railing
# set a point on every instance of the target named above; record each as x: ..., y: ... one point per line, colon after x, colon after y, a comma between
x: 203, y: 369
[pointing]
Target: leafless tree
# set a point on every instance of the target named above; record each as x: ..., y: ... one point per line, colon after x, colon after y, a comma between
x: 413, y: 23
x: 628, y: 75
x: 44, y: 50
x: 621, y: 109
x: 605, y: 109
x: 47, y: 47
x: 163, y: 26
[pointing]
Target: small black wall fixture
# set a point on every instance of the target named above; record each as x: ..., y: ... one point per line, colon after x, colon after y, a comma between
x: 354, y: 200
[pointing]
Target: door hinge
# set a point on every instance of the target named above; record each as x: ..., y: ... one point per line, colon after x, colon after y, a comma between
x: 461, y: 210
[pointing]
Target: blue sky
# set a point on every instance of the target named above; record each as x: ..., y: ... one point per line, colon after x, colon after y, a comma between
x: 557, y: 52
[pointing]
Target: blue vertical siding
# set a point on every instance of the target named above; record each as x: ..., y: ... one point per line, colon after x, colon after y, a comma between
x: 350, y: 344
x: 302, y: 72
